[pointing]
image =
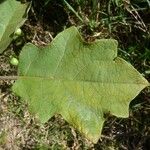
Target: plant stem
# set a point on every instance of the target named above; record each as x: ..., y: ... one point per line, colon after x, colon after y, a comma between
x: 72, y: 9
x: 148, y: 3
x: 8, y: 77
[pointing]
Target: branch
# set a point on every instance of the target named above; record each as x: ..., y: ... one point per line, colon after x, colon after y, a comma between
x: 8, y: 77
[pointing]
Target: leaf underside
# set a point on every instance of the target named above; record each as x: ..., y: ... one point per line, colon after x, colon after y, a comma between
x: 12, y: 15
x: 79, y: 80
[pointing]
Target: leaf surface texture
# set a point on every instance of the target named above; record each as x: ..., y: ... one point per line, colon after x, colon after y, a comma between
x: 79, y: 80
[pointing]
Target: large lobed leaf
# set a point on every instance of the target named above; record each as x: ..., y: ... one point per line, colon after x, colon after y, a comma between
x: 12, y: 15
x: 79, y: 80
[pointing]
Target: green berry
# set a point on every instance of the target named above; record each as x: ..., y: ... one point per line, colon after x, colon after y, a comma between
x: 14, y: 61
x: 18, y: 32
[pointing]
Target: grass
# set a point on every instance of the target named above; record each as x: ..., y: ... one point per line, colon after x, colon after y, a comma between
x: 129, y: 23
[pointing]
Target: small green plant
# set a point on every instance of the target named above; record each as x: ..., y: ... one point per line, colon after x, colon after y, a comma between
x: 3, y: 138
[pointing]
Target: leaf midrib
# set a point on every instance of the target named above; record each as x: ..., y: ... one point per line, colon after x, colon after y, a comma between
x: 69, y: 80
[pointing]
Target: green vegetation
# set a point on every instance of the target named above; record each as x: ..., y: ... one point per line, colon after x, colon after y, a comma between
x: 12, y: 15
x: 127, y: 22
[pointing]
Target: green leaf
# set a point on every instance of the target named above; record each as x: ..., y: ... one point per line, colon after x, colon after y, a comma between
x: 79, y: 80
x: 12, y: 16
